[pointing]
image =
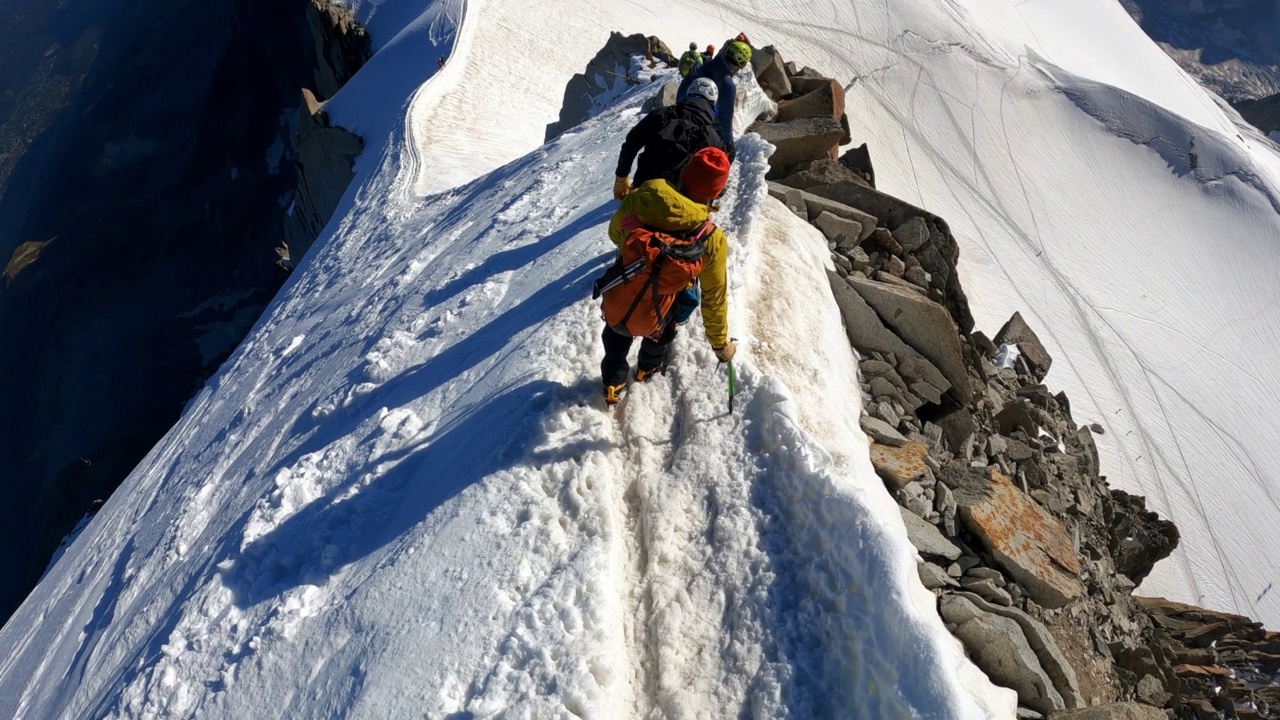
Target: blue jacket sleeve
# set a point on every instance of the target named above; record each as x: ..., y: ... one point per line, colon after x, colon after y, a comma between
x: 724, y: 109
x: 685, y: 83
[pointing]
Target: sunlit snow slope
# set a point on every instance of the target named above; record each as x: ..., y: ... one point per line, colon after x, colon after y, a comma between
x: 402, y: 497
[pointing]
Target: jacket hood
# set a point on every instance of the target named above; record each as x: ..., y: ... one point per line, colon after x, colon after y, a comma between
x: 657, y: 204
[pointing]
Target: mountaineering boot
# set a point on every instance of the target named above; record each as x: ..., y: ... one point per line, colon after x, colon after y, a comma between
x: 613, y: 393
x: 644, y: 376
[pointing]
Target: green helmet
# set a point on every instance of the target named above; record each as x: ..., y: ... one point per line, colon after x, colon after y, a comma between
x: 738, y: 53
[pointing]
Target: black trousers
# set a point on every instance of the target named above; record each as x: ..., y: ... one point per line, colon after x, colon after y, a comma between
x: 653, y: 353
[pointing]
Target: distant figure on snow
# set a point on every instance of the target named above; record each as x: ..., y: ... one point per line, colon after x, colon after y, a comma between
x: 735, y: 56
x: 667, y: 137
x: 665, y: 234
x: 440, y: 63
x: 710, y: 54
x: 690, y: 60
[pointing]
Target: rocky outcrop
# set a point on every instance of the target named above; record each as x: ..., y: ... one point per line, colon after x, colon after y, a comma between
x: 1206, y: 664
x: 342, y: 46
x: 325, y: 162
x: 610, y: 66
x: 323, y: 155
x: 1032, y: 555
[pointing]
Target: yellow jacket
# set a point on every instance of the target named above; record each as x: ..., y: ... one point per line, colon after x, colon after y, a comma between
x: 657, y: 205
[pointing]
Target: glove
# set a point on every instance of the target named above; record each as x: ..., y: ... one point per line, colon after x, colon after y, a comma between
x: 726, y: 353
x: 621, y: 186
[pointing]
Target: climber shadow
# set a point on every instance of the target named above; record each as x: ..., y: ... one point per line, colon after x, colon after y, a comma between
x: 518, y: 257
x: 485, y: 342
x: 448, y: 365
x: 397, y: 491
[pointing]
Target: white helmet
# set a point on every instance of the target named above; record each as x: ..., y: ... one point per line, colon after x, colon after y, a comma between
x: 704, y: 88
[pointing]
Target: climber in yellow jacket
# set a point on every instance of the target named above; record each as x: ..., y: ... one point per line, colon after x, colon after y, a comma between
x: 682, y: 210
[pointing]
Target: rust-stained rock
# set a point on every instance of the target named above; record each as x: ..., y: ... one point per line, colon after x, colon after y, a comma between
x: 826, y: 100
x: 802, y: 85
x: 1202, y: 670
x: 1028, y: 542
x: 899, y: 465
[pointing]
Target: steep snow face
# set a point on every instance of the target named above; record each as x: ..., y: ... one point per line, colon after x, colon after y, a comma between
x: 403, y: 497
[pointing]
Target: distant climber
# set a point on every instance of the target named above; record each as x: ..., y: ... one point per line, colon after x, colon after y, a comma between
x: 440, y: 63
x: 721, y: 70
x: 709, y: 54
x: 666, y: 241
x: 667, y: 137
x: 690, y: 60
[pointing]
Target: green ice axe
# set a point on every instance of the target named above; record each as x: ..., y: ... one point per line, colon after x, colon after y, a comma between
x: 730, y: 364
x: 731, y: 389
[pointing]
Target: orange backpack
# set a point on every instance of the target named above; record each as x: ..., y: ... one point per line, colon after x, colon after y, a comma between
x: 641, y: 305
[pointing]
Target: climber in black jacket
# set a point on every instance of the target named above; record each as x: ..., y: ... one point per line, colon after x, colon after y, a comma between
x: 669, y: 137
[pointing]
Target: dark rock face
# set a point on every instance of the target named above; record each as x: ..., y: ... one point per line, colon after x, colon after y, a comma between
x: 157, y: 191
x: 1140, y: 538
x: 610, y: 66
x: 1230, y: 46
x: 1264, y: 113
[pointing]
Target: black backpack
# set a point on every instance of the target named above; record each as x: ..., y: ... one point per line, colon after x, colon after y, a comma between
x: 686, y: 132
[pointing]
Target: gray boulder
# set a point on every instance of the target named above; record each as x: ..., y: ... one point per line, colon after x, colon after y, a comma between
x: 844, y: 232
x: 926, y: 539
x: 1041, y: 641
x: 665, y: 97
x: 912, y: 234
x: 1016, y: 331
x: 800, y: 140
x: 923, y: 324
x: 771, y: 72
x: 997, y: 646
x: 868, y: 334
